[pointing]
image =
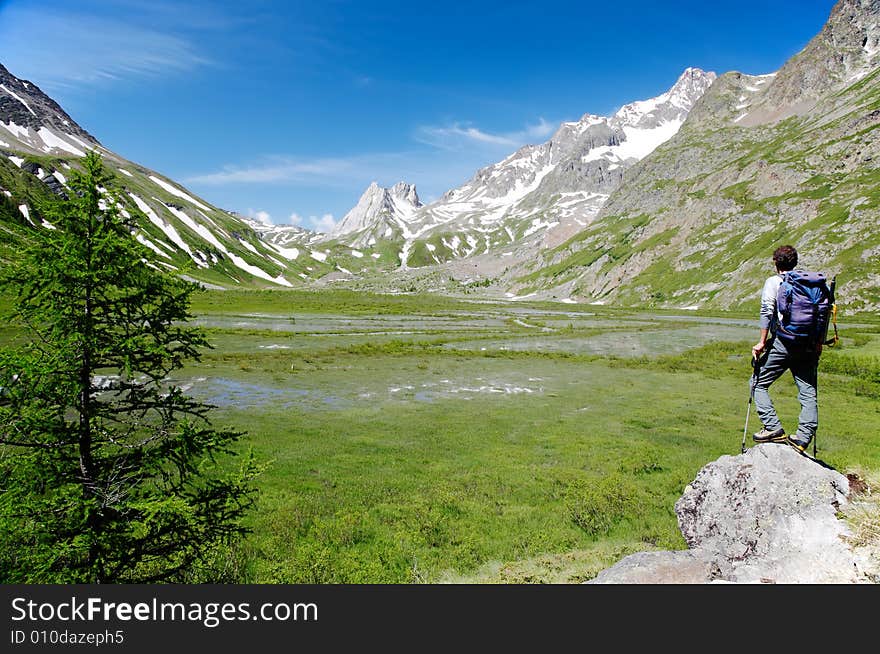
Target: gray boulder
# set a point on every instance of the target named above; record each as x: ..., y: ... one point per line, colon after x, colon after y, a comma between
x: 769, y: 515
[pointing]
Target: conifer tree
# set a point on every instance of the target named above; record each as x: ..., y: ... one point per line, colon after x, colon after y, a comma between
x: 108, y: 472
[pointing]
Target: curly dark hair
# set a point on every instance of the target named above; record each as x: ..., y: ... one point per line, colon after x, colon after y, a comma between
x: 785, y: 257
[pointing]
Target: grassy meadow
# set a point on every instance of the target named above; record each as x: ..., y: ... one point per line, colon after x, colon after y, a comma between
x: 422, y: 439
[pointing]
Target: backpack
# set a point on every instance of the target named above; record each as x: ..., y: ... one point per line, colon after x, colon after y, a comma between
x: 805, y: 303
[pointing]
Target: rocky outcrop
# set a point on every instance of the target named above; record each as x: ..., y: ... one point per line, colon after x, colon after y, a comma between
x: 24, y: 104
x: 769, y: 515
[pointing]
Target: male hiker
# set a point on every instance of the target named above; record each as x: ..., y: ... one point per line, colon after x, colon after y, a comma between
x: 778, y: 350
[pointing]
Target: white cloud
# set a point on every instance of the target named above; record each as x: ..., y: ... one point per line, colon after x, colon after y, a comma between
x: 294, y: 219
x: 324, y: 224
x: 262, y: 216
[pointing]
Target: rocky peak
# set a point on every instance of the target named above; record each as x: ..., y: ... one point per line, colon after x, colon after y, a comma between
x: 673, y: 105
x: 379, y: 205
x: 24, y: 104
x: 406, y: 192
x: 845, y: 50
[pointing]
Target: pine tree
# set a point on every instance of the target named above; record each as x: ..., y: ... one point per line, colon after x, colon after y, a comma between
x: 108, y: 472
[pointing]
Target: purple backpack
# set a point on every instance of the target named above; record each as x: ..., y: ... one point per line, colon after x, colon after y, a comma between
x: 804, y: 301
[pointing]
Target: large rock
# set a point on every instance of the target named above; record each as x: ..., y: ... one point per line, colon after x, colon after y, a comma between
x: 766, y: 516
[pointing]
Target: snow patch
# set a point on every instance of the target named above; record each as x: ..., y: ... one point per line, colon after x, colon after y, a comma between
x: 26, y: 213
x: 52, y: 140
x: 168, y: 229
x: 639, y: 143
x: 125, y: 172
x: 17, y: 130
x: 318, y: 256
x: 176, y: 192
x: 288, y: 253
x: 155, y: 248
x: 248, y: 246
x: 205, y: 233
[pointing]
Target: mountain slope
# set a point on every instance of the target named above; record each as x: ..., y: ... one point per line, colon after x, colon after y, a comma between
x: 40, y: 144
x: 544, y: 193
x: 761, y: 160
x: 381, y: 213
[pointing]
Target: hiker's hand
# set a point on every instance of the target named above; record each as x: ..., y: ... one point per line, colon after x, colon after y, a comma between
x: 758, y: 348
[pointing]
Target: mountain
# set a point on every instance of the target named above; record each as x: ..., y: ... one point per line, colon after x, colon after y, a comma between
x: 549, y: 191
x: 381, y: 213
x: 761, y: 160
x: 36, y: 122
x: 39, y: 145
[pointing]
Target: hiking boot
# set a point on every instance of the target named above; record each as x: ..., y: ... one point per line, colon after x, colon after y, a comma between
x: 799, y: 445
x: 767, y: 436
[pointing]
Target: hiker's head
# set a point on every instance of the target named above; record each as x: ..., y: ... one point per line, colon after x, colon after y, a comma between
x: 785, y: 257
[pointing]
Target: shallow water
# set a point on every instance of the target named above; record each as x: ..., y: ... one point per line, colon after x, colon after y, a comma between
x: 618, y: 343
x: 328, y: 324
x: 231, y: 393
x: 224, y: 392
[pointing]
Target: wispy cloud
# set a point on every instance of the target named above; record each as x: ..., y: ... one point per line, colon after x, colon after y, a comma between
x: 434, y: 174
x: 455, y: 154
x: 460, y: 151
x: 280, y: 170
x: 89, y: 48
x: 458, y: 136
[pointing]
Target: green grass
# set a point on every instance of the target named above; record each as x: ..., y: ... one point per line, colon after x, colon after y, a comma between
x: 396, y: 458
x: 371, y: 481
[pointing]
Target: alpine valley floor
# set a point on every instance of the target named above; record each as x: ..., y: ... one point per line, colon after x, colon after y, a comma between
x: 414, y: 438
x: 430, y: 439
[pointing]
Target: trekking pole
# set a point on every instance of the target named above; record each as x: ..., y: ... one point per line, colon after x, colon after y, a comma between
x: 752, y: 382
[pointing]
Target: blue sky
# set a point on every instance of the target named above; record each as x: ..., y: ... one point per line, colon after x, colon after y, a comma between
x: 288, y: 110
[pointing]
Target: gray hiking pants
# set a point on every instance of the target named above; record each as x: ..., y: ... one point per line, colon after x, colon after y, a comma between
x: 803, y: 366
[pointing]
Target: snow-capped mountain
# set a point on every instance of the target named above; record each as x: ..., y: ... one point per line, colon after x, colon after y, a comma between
x: 36, y: 123
x: 790, y: 154
x: 550, y: 189
x: 381, y: 213
x: 183, y: 232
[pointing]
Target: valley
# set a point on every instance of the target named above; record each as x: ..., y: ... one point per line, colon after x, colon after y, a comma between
x: 514, y: 381
x: 409, y: 438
